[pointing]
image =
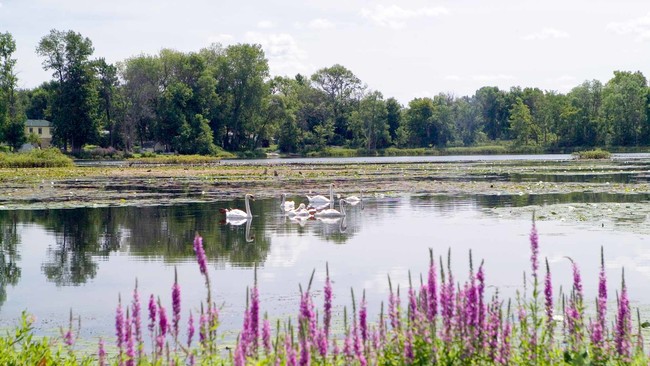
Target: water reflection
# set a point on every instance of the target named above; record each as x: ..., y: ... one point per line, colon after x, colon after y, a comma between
x: 9, y: 255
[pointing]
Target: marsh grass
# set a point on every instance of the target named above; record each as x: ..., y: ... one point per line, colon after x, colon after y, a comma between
x: 46, y: 158
x: 592, y: 154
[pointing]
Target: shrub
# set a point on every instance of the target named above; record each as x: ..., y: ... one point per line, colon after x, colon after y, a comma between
x: 37, y: 158
x: 592, y: 154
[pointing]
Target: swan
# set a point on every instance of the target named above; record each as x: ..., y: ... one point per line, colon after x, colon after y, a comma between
x: 237, y: 213
x: 322, y: 200
x: 330, y: 212
x: 287, y: 205
x: 353, y: 200
x: 301, y: 211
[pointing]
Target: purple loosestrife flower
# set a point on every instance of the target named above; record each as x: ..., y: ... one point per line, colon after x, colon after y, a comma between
x: 413, y: 304
x: 240, y: 354
x: 623, y: 331
x: 504, y: 351
x: 266, y: 335
x: 255, y: 315
x: 153, y: 309
x: 130, y: 350
x: 190, y: 330
x: 548, y: 302
x: 534, y: 249
x: 327, y: 306
x: 290, y: 352
x: 200, y: 255
x: 305, y: 355
x: 119, y: 325
x: 246, y: 336
x: 322, y: 343
x: 203, y: 328
x: 432, y: 291
x: 101, y: 353
x: 163, y: 326
x: 408, y: 348
x: 363, y: 318
x: 480, y: 292
x: 137, y: 314
x: 176, y: 305
x: 493, y: 324
x: 68, y: 339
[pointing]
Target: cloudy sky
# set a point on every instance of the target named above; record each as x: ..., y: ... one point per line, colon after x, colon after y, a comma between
x: 405, y: 49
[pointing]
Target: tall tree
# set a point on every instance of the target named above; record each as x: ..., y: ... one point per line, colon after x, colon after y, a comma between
x: 370, y: 122
x: 343, y: 90
x: 624, y: 108
x: 107, y: 90
x: 75, y: 108
x: 12, y: 121
x: 521, y: 123
x: 241, y: 77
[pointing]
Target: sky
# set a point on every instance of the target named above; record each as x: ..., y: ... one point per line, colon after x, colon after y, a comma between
x: 404, y: 49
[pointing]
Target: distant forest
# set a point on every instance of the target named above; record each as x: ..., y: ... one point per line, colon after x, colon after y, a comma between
x: 224, y: 99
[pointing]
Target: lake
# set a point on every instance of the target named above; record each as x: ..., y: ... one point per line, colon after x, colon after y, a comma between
x: 55, y: 260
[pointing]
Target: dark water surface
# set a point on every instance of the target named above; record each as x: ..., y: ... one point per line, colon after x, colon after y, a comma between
x: 55, y: 260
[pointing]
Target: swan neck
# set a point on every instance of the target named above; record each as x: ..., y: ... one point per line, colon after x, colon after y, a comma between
x: 342, y: 207
x: 248, y: 207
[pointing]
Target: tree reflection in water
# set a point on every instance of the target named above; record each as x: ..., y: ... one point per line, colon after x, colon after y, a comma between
x: 9, y: 256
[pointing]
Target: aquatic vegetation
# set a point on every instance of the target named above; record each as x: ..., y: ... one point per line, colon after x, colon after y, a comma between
x: 442, y: 321
x: 593, y: 154
x: 37, y: 158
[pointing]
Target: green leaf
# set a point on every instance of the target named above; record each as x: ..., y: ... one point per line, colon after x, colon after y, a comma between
x: 645, y: 324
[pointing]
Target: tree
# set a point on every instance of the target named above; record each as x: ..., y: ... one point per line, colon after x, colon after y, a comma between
x: 370, y: 122
x: 241, y: 76
x: 12, y: 120
x: 494, y: 111
x: 343, y: 90
x: 394, y: 117
x: 107, y: 90
x: 624, y: 108
x: 521, y: 123
x: 75, y: 108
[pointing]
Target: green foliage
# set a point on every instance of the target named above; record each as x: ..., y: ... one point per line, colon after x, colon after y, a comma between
x: 593, y: 154
x: 36, y: 158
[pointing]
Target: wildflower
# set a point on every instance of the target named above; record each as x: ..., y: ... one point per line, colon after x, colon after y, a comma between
x: 534, y: 249
x: 548, y: 302
x: 136, y: 310
x: 101, y: 353
x: 327, y: 307
x: 623, y: 330
x: 130, y: 351
x: 176, y: 305
x: 266, y: 335
x: 153, y: 309
x: 408, y: 347
x: 119, y: 325
x: 255, y: 311
x: 432, y: 307
x: 363, y: 318
x: 190, y: 330
x: 200, y: 255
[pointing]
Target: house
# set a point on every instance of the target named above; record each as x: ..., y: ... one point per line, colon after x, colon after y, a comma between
x: 41, y: 128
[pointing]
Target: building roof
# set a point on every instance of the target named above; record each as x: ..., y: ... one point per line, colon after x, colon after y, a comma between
x: 37, y: 123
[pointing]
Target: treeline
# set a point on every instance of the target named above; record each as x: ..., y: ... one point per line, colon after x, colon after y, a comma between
x: 223, y: 98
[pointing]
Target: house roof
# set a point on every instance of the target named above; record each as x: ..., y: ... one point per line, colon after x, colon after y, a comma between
x: 37, y: 123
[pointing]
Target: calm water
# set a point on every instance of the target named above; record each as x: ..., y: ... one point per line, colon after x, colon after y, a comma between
x: 55, y: 260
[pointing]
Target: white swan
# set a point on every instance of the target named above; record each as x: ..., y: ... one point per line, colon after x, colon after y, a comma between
x: 237, y: 213
x: 322, y: 200
x: 353, y: 200
x: 287, y: 205
x: 301, y: 211
x: 330, y: 212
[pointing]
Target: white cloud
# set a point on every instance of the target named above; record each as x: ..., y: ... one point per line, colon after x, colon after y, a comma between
x: 638, y: 26
x: 395, y: 17
x: 321, y: 24
x: 222, y: 38
x: 265, y: 24
x: 282, y: 50
x: 546, y: 33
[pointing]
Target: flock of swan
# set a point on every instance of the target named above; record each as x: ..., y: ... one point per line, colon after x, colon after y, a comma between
x: 318, y: 207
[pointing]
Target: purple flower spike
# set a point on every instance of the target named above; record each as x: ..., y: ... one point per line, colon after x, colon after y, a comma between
x: 548, y: 301
x: 255, y: 317
x: 101, y: 353
x: 119, y: 325
x: 190, y: 330
x: 153, y: 309
x: 623, y: 329
x: 130, y: 350
x: 534, y: 249
x: 266, y: 335
x: 327, y: 307
x: 432, y: 291
x: 137, y: 316
x: 200, y: 254
x: 176, y: 305
x: 363, y: 319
